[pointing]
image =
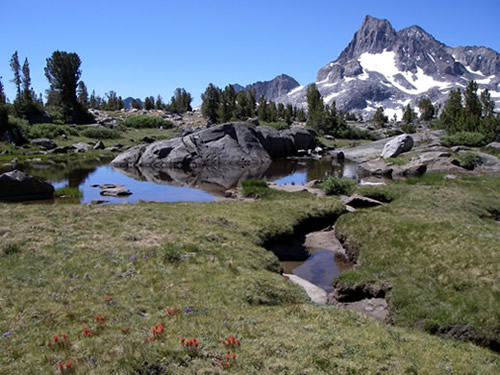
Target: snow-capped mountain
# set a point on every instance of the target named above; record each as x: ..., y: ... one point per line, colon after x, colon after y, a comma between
x: 389, y: 68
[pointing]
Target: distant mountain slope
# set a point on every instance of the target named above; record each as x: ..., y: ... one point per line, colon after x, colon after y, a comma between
x: 127, y: 102
x: 389, y: 68
x: 276, y: 88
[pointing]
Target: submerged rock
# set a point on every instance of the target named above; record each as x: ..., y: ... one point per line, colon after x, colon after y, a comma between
x: 112, y: 190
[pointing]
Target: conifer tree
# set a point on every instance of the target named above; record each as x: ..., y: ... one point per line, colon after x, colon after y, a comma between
x: 408, y: 115
x: 159, y: 102
x: 3, y: 98
x: 210, y: 103
x: 379, y: 117
x: 262, y: 109
x: 452, y: 114
x: 26, y: 92
x: 426, y: 108
x: 83, y: 95
x: 15, y: 66
x: 315, y: 109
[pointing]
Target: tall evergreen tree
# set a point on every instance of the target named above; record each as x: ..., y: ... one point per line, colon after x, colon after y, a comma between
x: 3, y: 98
x: 252, y: 100
x: 93, y: 100
x: 408, y: 115
x: 262, y: 109
x: 426, y: 108
x: 315, y: 109
x: 180, y: 101
x: 149, y: 103
x: 159, y: 102
x: 453, y: 112
x: 63, y: 73
x: 210, y: 103
x: 379, y: 117
x: 16, y: 67
x: 83, y: 95
x: 243, y: 110
x: 26, y: 92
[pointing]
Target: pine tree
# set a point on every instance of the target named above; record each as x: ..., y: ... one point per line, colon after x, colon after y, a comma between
x: 93, y: 100
x: 252, y: 100
x: 379, y: 117
x: 3, y: 98
x: 426, y: 108
x: 272, y: 111
x: 242, y: 106
x: 26, y: 93
x: 83, y: 95
x: 210, y: 103
x: 289, y: 114
x: 315, y: 109
x: 262, y: 109
x: 15, y: 66
x: 408, y: 115
x: 149, y: 103
x: 453, y: 112
x: 159, y: 102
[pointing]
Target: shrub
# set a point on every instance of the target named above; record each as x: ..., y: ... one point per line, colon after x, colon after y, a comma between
x: 408, y: 128
x: 254, y: 188
x: 100, y: 133
x: 335, y: 185
x: 351, y: 132
x: 468, y: 160
x: 471, y: 139
x: 142, y: 121
x: 49, y: 131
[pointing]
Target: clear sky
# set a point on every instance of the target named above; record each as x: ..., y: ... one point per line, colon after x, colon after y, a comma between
x: 143, y: 48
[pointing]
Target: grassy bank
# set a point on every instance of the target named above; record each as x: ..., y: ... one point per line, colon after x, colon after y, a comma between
x: 115, y: 270
x: 438, y: 245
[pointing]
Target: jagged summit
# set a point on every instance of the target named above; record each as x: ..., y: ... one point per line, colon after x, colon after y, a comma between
x: 389, y: 68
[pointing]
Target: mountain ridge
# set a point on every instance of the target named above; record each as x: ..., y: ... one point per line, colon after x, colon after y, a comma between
x: 384, y: 67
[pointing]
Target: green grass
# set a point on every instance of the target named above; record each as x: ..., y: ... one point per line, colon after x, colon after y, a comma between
x: 255, y: 188
x: 335, y: 185
x: 276, y: 125
x: 66, y: 264
x: 438, y: 245
x: 68, y: 192
x: 143, y: 121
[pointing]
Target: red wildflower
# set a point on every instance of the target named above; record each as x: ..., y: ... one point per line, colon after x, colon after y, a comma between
x: 56, y: 338
x: 68, y: 364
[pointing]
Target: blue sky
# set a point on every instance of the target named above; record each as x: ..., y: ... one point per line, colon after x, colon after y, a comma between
x: 142, y: 48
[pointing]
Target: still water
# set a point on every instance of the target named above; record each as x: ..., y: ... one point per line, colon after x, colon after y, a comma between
x: 177, y: 185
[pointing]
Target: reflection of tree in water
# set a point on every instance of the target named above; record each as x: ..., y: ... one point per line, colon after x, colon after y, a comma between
x: 74, y: 171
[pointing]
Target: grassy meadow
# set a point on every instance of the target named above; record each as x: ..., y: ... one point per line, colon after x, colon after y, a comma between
x: 106, y: 276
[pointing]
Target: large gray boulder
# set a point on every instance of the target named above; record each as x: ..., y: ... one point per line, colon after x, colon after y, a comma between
x: 16, y: 186
x: 227, y: 144
x: 44, y: 143
x: 397, y: 146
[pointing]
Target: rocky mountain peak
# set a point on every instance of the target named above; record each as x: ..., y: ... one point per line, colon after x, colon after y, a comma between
x: 374, y: 36
x: 272, y: 89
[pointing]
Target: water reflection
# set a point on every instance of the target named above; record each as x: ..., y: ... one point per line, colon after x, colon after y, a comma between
x: 173, y: 185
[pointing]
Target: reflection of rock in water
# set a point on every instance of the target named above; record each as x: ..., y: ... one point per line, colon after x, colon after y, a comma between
x: 210, y: 179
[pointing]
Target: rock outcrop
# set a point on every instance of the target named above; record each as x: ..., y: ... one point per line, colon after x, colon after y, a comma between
x: 17, y: 186
x: 227, y: 144
x: 397, y: 146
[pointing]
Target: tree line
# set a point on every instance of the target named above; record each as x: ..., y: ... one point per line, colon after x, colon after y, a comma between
x: 67, y: 99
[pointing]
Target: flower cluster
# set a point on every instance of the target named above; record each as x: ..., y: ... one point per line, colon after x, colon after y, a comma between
x: 59, y: 341
x: 190, y: 344
x: 172, y: 312
x: 99, y: 319
x: 231, y: 341
x: 228, y: 360
x: 86, y: 333
x: 65, y: 367
x: 157, y: 333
